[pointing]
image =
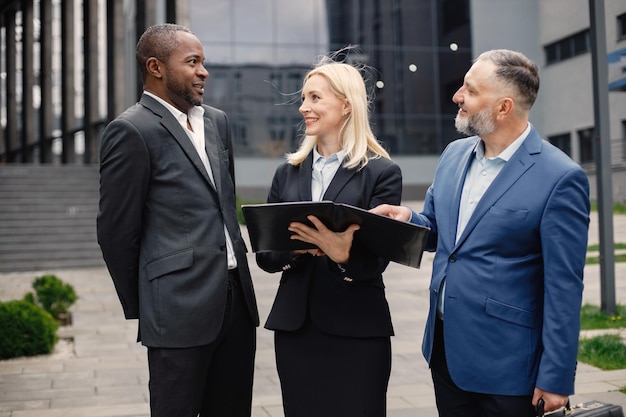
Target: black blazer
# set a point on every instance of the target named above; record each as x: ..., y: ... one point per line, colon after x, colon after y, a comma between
x: 346, y: 303
x: 161, y: 224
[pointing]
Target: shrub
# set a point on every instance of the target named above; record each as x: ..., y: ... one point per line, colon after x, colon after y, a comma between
x: 53, y: 295
x: 25, y: 330
x: 239, y: 202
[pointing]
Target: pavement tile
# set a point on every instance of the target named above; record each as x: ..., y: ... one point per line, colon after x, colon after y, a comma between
x: 98, y: 369
x: 47, y: 395
x: 123, y: 410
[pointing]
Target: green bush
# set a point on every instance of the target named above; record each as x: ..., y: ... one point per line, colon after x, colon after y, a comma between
x: 53, y: 295
x: 239, y: 202
x: 25, y: 330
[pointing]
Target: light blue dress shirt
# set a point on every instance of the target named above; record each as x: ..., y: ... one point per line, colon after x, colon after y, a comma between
x: 324, y: 169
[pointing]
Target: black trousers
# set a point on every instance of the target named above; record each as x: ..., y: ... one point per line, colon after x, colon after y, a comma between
x: 452, y: 401
x: 324, y: 375
x: 213, y: 380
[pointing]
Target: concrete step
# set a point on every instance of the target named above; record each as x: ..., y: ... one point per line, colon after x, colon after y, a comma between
x: 48, y: 217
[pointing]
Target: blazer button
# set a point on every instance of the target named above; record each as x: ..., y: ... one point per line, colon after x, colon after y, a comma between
x: 452, y: 258
x: 222, y: 247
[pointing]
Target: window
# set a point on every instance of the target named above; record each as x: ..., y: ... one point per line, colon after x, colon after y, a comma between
x: 258, y: 55
x: 454, y: 14
x: 624, y: 139
x: 621, y: 26
x: 585, y: 140
x: 277, y: 127
x: 580, y: 43
x: 569, y: 47
x: 563, y: 142
x: 552, y: 53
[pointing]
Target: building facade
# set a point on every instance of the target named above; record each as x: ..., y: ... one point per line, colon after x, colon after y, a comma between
x: 67, y: 68
x: 418, y: 52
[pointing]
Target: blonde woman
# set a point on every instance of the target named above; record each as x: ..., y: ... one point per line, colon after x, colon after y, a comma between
x: 330, y: 316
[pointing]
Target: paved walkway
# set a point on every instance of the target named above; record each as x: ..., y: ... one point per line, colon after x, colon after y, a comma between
x: 102, y: 372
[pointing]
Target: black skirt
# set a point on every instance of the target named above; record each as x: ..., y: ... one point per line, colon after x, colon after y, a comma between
x: 328, y: 375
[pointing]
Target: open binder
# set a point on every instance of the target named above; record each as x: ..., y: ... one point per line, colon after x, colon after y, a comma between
x: 395, y: 240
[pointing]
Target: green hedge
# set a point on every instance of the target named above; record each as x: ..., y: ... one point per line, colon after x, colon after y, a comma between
x: 53, y: 295
x: 25, y: 330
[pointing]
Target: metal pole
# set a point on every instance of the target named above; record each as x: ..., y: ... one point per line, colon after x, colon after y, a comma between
x: 602, y: 137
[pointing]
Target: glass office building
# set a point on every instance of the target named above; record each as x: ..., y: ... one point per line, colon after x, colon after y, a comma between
x: 414, y: 54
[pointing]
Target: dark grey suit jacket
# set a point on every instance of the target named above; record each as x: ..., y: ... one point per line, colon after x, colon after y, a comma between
x: 161, y: 224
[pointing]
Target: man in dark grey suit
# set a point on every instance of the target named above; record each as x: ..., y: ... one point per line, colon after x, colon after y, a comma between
x: 169, y: 234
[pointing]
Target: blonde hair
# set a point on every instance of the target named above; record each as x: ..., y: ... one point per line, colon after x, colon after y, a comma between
x: 356, y: 136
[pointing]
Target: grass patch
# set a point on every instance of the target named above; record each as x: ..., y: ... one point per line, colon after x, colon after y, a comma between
x: 591, y: 317
x: 615, y: 245
x: 604, y: 352
x: 619, y: 257
x: 593, y: 260
x: 618, y: 208
x: 239, y: 202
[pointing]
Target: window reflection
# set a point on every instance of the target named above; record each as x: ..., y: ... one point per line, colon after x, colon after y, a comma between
x: 258, y: 51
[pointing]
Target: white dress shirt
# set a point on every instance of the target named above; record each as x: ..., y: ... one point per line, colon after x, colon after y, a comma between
x: 196, y: 135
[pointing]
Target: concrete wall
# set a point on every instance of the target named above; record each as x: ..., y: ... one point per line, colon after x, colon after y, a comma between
x: 254, y: 175
x: 618, y: 185
x: 509, y: 24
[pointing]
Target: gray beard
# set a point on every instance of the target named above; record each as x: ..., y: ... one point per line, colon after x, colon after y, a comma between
x: 479, y: 124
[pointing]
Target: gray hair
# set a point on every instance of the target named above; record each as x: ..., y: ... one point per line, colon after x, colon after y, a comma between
x: 517, y: 71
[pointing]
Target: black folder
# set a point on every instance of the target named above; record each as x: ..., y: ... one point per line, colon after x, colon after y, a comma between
x: 395, y: 240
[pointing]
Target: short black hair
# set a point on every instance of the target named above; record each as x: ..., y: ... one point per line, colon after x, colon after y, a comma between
x: 158, y: 41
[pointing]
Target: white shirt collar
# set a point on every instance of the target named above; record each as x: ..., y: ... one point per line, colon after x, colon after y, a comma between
x: 340, y: 155
x: 194, y: 112
x: 506, y: 154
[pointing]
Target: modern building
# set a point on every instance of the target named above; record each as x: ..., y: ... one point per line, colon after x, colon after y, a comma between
x: 417, y: 53
x: 556, y: 34
x: 74, y: 60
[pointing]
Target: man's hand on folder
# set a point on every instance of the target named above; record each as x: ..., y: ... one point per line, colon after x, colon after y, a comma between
x: 335, y: 245
x: 395, y: 212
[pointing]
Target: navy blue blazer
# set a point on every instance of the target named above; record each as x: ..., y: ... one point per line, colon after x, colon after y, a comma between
x: 346, y: 303
x: 514, y: 279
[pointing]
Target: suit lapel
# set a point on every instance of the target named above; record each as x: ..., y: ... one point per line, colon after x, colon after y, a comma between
x: 212, y: 148
x: 341, y: 178
x: 459, y: 175
x: 178, y: 133
x: 304, y: 178
x: 515, y: 167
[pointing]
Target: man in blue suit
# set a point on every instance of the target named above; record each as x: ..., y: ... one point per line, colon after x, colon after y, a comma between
x: 509, y: 218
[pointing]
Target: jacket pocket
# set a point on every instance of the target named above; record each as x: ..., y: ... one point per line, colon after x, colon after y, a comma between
x: 509, y: 213
x: 169, y: 263
x: 510, y: 313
